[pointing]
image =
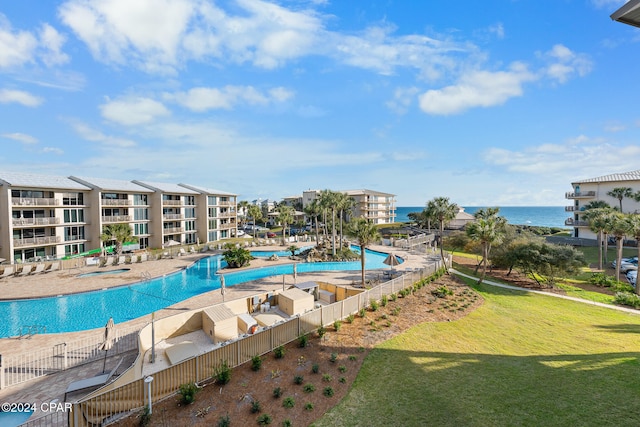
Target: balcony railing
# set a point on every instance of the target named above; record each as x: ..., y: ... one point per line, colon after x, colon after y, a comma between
x: 227, y: 226
x: 117, y: 218
x: 35, y: 221
x: 579, y: 194
x: 572, y: 222
x: 115, y: 202
x: 173, y: 230
x: 172, y: 216
x: 34, y: 201
x: 227, y: 214
x: 225, y: 203
x: 569, y: 208
x: 32, y: 241
x: 172, y: 202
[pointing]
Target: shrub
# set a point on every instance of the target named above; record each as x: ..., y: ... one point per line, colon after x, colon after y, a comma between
x: 601, y: 279
x: 328, y: 391
x: 342, y: 380
x: 265, y: 419
x: 336, y: 325
x: 374, y: 305
x: 289, y: 402
x: 315, y: 368
x: 256, y: 363
x: 384, y: 301
x: 308, y: 406
x: 188, y: 393
x: 255, y: 406
x: 622, y: 287
x: 342, y: 369
x: 309, y: 388
x: 441, y: 292
x: 362, y: 312
x: 145, y: 416
x: 333, y: 358
x: 277, y: 392
x: 393, y: 297
x: 302, y: 341
x: 350, y: 318
x: 224, y: 421
x: 627, y: 298
x: 322, y: 331
x: 298, y: 379
x: 279, y: 352
x: 286, y: 423
x: 327, y: 377
x: 222, y: 373
x: 352, y: 357
x: 396, y: 311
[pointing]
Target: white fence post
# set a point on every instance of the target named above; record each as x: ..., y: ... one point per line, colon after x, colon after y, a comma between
x: 1, y: 374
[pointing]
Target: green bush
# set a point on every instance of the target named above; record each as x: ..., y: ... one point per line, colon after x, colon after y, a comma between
x: 342, y: 380
x: 145, y: 416
x: 363, y: 312
x: 315, y: 368
x: 336, y: 325
x: 279, y: 352
x: 255, y: 406
x: 350, y: 318
x: 322, y: 331
x: 289, y: 402
x: 352, y: 357
x: 627, y: 298
x: 286, y: 423
x: 298, y: 379
x: 222, y: 373
x: 188, y: 393
x: 309, y: 388
x: 622, y: 287
x: 308, y: 406
x: 327, y: 377
x: 333, y: 358
x: 256, y: 363
x: 384, y: 300
x: 224, y: 421
x: 265, y: 420
x: 328, y: 391
x: 277, y: 392
x: 601, y: 279
x: 342, y: 369
x: 374, y: 304
x: 441, y: 292
x: 393, y: 297
x: 303, y: 340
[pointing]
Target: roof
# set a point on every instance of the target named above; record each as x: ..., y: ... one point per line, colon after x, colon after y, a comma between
x: 19, y: 179
x: 295, y: 294
x: 365, y: 191
x: 219, y: 313
x: 166, y: 187
x: 614, y: 177
x: 205, y: 190
x: 628, y: 14
x: 109, y: 184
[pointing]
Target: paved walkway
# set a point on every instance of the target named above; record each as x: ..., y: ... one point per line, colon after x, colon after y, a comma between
x: 52, y: 387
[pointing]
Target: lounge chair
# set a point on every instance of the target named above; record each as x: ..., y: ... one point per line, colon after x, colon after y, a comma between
x: 108, y: 261
x: 91, y: 383
x: 53, y: 267
x: 8, y: 271
x: 143, y: 257
x: 121, y: 260
x: 39, y: 269
x: 26, y: 269
x: 182, y: 252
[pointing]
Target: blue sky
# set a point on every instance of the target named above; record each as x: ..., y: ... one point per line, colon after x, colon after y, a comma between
x: 498, y: 103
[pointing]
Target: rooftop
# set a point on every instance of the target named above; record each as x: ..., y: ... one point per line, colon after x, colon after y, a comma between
x: 111, y: 184
x: 614, y: 177
x: 19, y: 179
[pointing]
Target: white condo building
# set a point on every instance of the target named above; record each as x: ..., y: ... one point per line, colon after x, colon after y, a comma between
x: 49, y: 217
x: 377, y: 206
x: 588, y: 190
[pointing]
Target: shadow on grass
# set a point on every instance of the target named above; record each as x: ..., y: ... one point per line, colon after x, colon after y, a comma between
x: 621, y: 328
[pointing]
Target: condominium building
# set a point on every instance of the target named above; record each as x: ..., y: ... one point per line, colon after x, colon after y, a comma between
x: 596, y: 189
x: 48, y: 217
x: 377, y: 206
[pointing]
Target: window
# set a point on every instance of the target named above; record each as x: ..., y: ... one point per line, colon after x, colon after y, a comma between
x: 190, y: 200
x: 211, y: 200
x: 140, y: 214
x: 140, y: 199
x: 73, y: 215
x: 73, y: 249
x: 189, y: 225
x: 213, y: 236
x: 140, y: 229
x: 213, y: 212
x: 213, y: 224
x: 73, y: 233
x: 189, y: 212
x: 72, y: 199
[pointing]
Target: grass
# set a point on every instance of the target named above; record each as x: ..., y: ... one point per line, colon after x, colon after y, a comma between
x: 520, y: 359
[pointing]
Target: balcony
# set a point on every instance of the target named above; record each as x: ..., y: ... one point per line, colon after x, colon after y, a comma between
x: 227, y: 226
x: 115, y: 202
x: 34, y: 201
x: 33, y: 241
x: 579, y: 195
x: 172, y: 217
x: 172, y: 203
x: 227, y: 215
x: 225, y: 203
x: 117, y: 218
x: 173, y: 230
x: 26, y: 222
x: 569, y: 208
x: 572, y: 222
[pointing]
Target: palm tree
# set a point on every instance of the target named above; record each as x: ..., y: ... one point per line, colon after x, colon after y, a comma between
x: 442, y: 211
x: 285, y: 216
x: 489, y: 228
x: 365, y: 233
x: 345, y: 205
x: 119, y: 233
x: 618, y: 227
x: 255, y: 213
x: 633, y: 228
x: 329, y: 200
x: 312, y: 210
x: 597, y: 218
x: 620, y: 193
x: 242, y: 206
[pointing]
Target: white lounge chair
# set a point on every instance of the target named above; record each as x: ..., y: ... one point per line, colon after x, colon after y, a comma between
x: 182, y: 252
x: 39, y: 269
x: 53, y: 267
x: 121, y: 260
x: 143, y: 257
x: 93, y: 382
x: 8, y: 271
x: 26, y: 269
x: 108, y: 261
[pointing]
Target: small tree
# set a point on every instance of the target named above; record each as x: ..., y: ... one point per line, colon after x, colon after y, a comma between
x: 365, y: 232
x: 621, y: 193
x: 236, y: 257
x: 442, y: 211
x: 545, y: 262
x: 119, y: 234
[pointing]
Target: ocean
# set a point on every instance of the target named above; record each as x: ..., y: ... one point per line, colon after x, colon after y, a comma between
x: 542, y: 216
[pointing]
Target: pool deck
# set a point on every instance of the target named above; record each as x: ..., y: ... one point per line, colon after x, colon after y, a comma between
x: 64, y: 282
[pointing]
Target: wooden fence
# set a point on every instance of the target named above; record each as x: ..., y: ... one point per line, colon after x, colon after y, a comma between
x: 103, y: 408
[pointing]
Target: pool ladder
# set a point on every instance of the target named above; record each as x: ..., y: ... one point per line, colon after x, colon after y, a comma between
x: 145, y: 275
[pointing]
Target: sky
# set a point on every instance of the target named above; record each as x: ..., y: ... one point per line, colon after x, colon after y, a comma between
x: 492, y: 103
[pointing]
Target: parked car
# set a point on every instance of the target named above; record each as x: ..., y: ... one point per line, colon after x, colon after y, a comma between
x: 271, y: 234
x: 632, y: 277
x: 240, y: 233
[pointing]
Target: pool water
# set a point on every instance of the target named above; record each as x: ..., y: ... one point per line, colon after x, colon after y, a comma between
x: 89, y: 310
x: 13, y: 419
x: 284, y: 253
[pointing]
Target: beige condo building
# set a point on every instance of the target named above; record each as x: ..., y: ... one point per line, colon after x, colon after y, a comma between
x: 50, y: 217
x: 377, y: 206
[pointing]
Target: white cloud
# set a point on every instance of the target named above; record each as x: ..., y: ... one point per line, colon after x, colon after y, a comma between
x: 477, y: 89
x: 403, y: 98
x: 20, y: 137
x: 53, y: 150
x: 133, y: 110
x: 20, y: 97
x: 564, y: 63
x: 93, y: 135
x: 51, y: 41
x: 204, y: 98
x: 16, y: 48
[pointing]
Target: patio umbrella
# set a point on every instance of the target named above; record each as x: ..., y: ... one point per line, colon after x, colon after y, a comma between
x: 222, y: 287
x: 295, y: 272
x: 107, y: 344
x: 391, y: 260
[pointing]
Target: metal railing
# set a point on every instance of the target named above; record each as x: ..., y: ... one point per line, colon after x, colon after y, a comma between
x: 572, y: 195
x: 35, y: 221
x: 117, y: 218
x: 34, y: 201
x: 36, y: 241
x: 172, y: 216
x: 115, y: 202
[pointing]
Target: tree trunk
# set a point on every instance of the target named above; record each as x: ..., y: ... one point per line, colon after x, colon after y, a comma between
x: 600, y: 250
x: 618, y: 256
x: 362, y: 263
x: 441, y: 249
x: 333, y: 232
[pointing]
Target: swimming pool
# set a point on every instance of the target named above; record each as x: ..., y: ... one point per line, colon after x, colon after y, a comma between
x: 283, y: 253
x: 89, y: 310
x: 102, y: 273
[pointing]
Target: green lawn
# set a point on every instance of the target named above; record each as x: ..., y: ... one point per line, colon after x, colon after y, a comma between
x: 520, y: 359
